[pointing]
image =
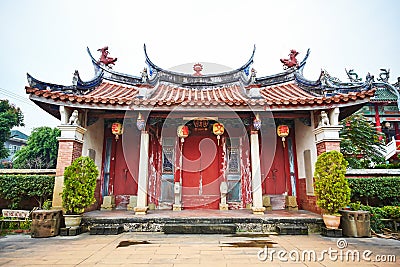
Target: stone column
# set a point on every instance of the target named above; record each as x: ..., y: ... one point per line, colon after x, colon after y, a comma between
x: 69, y: 148
x: 256, y: 174
x: 142, y: 207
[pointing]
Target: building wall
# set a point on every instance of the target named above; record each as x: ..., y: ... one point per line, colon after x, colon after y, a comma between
x: 306, y: 157
x: 93, y: 139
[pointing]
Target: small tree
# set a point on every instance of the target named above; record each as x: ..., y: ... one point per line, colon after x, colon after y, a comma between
x: 331, y: 186
x: 10, y: 116
x: 361, y: 145
x: 79, y: 185
x: 41, y: 150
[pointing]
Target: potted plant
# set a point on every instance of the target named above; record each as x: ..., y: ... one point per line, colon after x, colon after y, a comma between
x: 79, y: 186
x: 331, y: 187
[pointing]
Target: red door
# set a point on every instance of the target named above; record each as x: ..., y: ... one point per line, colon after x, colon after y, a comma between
x: 276, y: 178
x: 201, y: 171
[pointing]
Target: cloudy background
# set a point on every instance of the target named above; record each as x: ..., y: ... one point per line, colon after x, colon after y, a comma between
x: 48, y: 39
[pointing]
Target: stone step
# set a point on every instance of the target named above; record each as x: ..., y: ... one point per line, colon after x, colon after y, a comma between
x: 199, y: 228
x: 71, y: 231
x: 277, y: 202
x: 105, y: 229
x: 292, y: 229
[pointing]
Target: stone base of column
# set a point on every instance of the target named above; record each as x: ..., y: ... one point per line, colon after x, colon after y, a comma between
x: 258, y: 210
x: 132, y: 203
x: 141, y: 210
x: 223, y: 206
x: 176, y: 207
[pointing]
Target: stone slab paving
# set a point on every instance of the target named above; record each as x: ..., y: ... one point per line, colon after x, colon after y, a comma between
x: 162, y: 250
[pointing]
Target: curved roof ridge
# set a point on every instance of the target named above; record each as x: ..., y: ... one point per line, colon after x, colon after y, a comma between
x: 211, y: 75
x: 78, y: 86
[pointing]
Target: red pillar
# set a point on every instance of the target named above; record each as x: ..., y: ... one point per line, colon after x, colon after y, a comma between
x: 377, y: 118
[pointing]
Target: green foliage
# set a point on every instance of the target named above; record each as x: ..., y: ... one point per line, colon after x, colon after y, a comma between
x: 10, y: 116
x: 18, y: 187
x: 47, y: 204
x: 41, y: 150
x: 387, y: 166
x: 355, y: 205
x: 361, y: 145
x: 331, y: 187
x: 391, y: 212
x: 379, y: 213
x: 375, y: 191
x: 79, y: 185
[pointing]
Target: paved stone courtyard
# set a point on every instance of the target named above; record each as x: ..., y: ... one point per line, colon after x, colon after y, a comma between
x: 157, y: 249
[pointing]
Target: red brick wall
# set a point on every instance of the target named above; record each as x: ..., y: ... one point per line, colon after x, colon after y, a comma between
x: 326, y: 146
x: 68, y: 151
x: 305, y: 201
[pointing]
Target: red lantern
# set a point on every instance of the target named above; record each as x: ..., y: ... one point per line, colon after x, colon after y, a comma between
x: 183, y: 132
x: 117, y: 129
x: 218, y: 130
x: 283, y: 131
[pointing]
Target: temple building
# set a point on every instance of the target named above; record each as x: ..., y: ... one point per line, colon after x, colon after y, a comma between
x: 227, y: 140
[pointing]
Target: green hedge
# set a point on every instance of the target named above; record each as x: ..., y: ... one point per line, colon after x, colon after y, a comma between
x: 18, y: 187
x: 377, y: 214
x: 376, y: 191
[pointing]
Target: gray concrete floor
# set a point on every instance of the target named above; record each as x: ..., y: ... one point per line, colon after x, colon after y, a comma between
x: 189, y: 250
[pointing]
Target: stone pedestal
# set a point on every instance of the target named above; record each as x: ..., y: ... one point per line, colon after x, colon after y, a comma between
x: 267, y: 203
x: 223, y: 206
x: 140, y: 210
x: 132, y: 203
x: 327, y: 138
x: 141, y: 207
x: 258, y: 210
x: 108, y: 203
x: 69, y: 148
x: 291, y: 203
x: 176, y: 207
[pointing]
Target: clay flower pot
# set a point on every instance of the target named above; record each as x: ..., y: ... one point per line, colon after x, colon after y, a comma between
x: 331, y: 221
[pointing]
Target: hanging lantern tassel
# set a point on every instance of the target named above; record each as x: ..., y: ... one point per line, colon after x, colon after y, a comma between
x: 218, y: 130
x: 283, y: 141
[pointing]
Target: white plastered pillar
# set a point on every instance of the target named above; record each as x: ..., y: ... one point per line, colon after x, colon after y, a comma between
x: 256, y: 174
x: 142, y: 207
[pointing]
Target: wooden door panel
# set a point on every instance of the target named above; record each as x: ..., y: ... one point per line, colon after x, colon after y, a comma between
x: 200, y: 176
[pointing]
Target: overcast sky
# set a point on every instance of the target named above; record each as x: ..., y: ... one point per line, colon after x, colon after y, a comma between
x: 48, y: 39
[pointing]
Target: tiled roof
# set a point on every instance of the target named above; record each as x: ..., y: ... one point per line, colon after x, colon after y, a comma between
x: 170, y: 95
x: 166, y: 95
x: 106, y: 93
x: 382, y: 94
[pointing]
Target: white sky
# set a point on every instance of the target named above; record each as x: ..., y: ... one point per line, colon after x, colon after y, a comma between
x: 48, y: 39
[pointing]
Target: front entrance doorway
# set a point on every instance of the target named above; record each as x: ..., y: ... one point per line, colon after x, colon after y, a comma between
x: 201, y: 176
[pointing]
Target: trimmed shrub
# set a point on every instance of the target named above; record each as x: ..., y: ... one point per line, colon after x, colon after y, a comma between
x: 331, y: 187
x: 79, y: 185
